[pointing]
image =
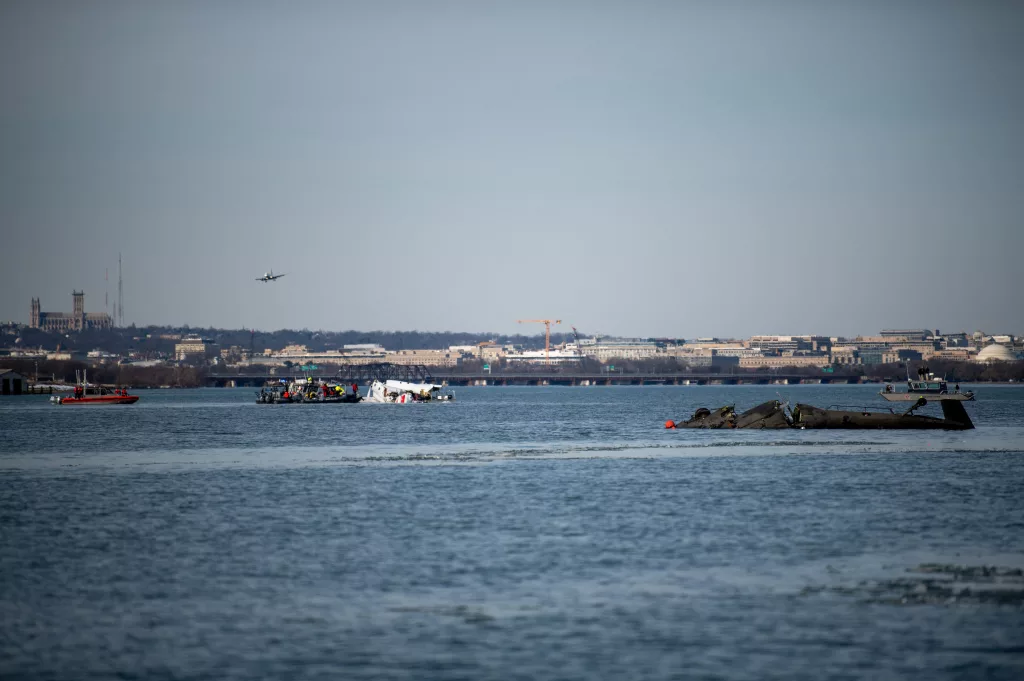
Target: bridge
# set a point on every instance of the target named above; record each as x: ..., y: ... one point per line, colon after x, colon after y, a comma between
x: 365, y: 373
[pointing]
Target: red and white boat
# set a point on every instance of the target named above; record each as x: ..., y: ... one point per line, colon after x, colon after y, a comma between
x: 95, y: 394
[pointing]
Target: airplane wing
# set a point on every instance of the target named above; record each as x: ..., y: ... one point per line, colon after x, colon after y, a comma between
x: 278, y: 276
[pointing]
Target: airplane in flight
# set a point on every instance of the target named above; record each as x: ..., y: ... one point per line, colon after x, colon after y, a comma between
x: 270, y: 276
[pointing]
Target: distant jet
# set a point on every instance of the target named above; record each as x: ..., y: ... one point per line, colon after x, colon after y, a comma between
x: 270, y: 276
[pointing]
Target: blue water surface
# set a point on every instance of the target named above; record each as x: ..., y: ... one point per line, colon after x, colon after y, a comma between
x: 516, y: 533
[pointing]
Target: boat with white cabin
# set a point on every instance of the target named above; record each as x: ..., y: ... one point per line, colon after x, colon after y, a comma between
x: 928, y: 386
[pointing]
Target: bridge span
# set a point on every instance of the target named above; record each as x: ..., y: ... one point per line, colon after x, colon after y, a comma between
x: 363, y: 374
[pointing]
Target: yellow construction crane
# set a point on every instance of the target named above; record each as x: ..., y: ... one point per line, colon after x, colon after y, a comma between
x: 547, y: 333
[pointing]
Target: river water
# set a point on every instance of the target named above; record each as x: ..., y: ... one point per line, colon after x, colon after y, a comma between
x: 516, y: 533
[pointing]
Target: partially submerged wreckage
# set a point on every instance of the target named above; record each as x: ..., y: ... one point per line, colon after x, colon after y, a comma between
x: 776, y: 414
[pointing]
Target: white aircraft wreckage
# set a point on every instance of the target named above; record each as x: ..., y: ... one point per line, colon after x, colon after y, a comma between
x: 401, y: 392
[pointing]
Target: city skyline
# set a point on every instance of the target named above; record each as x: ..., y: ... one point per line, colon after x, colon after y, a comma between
x: 670, y: 168
x: 81, y: 320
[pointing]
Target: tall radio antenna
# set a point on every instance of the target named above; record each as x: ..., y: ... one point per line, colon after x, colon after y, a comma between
x: 120, y: 294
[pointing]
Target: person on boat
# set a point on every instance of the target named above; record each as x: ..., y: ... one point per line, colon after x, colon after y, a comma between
x: 355, y: 389
x: 957, y: 387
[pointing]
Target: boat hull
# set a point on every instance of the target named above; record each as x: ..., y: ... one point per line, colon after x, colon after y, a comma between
x: 329, y: 400
x: 914, y: 397
x: 99, y: 400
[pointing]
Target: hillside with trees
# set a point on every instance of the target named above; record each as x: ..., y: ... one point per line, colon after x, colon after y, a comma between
x: 161, y: 339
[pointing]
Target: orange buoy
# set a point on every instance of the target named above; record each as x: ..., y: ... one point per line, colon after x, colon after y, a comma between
x: 670, y: 424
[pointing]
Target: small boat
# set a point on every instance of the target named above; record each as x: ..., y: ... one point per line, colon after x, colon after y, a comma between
x: 928, y: 386
x: 307, y: 391
x: 400, y: 392
x: 83, y: 393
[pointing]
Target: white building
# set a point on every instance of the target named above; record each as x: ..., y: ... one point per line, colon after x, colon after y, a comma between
x: 194, y: 348
x: 995, y: 353
x: 540, y: 357
x: 605, y: 350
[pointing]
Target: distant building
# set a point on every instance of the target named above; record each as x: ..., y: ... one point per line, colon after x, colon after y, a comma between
x: 12, y: 383
x: 489, y: 351
x: 555, y: 356
x: 194, y: 349
x: 995, y: 353
x: 874, y: 356
x: 710, y: 358
x: 100, y: 356
x: 784, y: 362
x: 959, y: 340
x: 774, y: 344
x: 952, y: 354
x: 441, y: 358
x: 705, y: 344
x: 603, y: 350
x: 62, y: 322
x: 906, y: 334
x: 736, y: 352
x: 363, y: 347
x: 367, y: 353
x: 846, y: 355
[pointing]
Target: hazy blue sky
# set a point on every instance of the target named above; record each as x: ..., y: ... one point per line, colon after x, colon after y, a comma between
x: 639, y: 168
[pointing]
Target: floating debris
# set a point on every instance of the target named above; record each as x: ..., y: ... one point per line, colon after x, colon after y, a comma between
x: 777, y: 415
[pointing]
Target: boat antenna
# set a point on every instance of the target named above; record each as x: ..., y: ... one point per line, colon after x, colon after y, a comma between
x: 120, y: 294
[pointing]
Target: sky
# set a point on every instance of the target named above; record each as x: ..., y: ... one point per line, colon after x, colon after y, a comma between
x: 639, y: 168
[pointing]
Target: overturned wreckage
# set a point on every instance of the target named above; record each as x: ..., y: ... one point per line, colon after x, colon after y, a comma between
x: 776, y: 414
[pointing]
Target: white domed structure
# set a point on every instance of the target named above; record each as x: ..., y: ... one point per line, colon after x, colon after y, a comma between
x: 995, y: 353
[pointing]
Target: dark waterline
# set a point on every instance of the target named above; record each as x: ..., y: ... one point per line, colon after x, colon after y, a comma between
x: 516, y: 533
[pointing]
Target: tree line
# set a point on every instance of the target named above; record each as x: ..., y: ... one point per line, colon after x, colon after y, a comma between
x: 190, y: 377
x: 149, y: 340
x: 110, y: 374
